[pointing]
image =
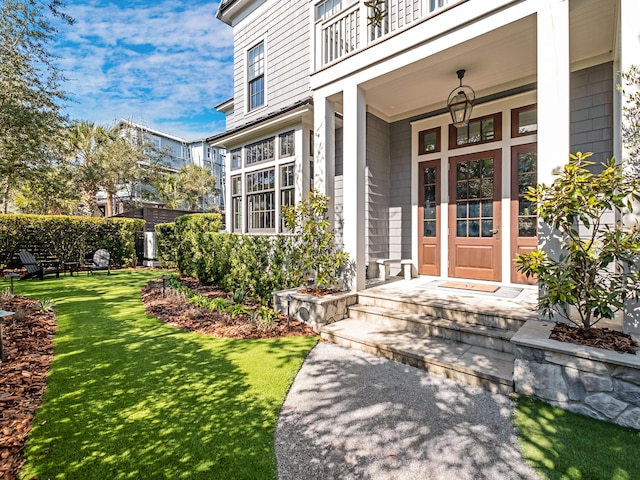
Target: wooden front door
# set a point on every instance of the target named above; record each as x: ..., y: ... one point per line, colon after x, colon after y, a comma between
x: 524, y: 221
x: 429, y: 218
x: 474, y: 216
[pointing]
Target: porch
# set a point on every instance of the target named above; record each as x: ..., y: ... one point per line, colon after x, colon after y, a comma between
x: 460, y: 330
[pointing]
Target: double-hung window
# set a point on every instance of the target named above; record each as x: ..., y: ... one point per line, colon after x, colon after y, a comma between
x: 236, y: 202
x: 261, y: 200
x: 256, y: 76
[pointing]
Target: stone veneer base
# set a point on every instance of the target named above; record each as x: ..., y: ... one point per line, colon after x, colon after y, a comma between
x: 313, y: 310
x: 591, y: 381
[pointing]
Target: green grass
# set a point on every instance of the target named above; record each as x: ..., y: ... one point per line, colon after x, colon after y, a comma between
x: 129, y: 397
x: 564, y: 445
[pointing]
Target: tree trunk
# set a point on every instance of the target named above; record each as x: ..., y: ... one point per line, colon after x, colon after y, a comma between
x: 109, y: 210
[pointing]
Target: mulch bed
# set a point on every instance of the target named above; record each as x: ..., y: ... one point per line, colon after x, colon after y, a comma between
x: 175, y: 310
x: 595, y: 337
x: 28, y: 350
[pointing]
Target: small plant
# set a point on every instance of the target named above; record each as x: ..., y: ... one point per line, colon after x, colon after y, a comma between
x: 239, y: 296
x: 219, y: 305
x: 265, y: 315
x: 6, y: 294
x: 236, y: 310
x: 315, y: 250
x: 378, y: 12
x: 595, y: 271
x: 45, y: 305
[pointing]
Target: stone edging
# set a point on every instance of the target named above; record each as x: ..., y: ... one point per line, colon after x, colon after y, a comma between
x: 595, y: 382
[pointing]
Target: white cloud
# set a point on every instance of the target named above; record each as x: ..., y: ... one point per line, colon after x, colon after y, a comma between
x: 161, y: 63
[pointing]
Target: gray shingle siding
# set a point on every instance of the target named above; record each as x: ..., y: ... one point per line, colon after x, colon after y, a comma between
x: 592, y: 111
x: 400, y: 190
x: 377, y: 189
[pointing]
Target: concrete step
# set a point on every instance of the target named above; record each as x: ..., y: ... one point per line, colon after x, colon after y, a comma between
x: 474, y: 365
x: 477, y: 334
x: 488, y: 311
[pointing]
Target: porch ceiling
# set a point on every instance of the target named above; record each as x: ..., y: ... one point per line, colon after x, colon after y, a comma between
x: 501, y: 59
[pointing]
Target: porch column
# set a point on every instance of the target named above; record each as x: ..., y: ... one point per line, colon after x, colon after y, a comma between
x: 553, y: 102
x: 354, y: 148
x: 553, y: 87
x: 629, y: 54
x: 324, y: 151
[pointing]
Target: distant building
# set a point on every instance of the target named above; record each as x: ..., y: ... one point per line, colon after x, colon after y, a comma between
x: 177, y: 153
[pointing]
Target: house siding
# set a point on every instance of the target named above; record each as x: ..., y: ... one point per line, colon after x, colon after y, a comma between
x: 377, y: 189
x: 400, y: 190
x: 592, y: 111
x: 284, y: 27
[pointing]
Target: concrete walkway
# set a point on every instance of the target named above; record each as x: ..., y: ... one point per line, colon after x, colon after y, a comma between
x: 351, y: 415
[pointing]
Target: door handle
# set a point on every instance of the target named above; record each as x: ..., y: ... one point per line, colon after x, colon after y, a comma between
x: 496, y: 232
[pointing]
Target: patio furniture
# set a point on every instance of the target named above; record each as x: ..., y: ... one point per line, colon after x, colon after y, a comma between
x: 72, y: 267
x: 101, y: 261
x: 39, y: 268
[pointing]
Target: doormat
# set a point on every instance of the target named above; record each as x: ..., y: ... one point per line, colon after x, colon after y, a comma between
x: 476, y: 287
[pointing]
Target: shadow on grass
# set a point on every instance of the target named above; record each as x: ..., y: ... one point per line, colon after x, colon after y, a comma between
x: 129, y: 397
x: 564, y: 445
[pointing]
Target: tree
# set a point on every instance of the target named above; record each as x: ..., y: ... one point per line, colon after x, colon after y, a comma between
x: 190, y: 188
x: 595, y: 272
x: 52, y: 190
x: 85, y: 146
x: 31, y: 96
x: 314, y: 253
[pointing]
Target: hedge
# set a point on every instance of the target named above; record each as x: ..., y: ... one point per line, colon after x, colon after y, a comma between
x: 67, y: 238
x: 257, y: 264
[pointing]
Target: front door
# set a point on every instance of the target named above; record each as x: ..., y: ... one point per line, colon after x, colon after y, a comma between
x: 474, y: 216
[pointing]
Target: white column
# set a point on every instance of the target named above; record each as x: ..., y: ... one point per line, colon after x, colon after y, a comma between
x: 354, y: 149
x: 324, y: 150
x: 629, y: 54
x: 553, y: 87
x: 553, y: 102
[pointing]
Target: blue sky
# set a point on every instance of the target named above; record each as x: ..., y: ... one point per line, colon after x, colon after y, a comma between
x: 164, y: 63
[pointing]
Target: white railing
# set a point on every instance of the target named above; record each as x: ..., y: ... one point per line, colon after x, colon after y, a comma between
x: 342, y: 34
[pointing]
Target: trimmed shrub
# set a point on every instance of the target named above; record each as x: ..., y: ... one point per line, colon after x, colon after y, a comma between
x: 167, y: 244
x: 67, y: 238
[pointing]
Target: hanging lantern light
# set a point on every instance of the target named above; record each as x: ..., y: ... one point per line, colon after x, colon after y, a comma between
x: 460, y: 102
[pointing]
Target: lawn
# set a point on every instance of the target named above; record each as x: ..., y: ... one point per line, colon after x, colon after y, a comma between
x: 562, y: 445
x: 130, y: 397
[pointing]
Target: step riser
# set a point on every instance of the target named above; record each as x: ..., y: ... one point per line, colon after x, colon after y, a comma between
x: 506, y: 323
x: 427, y: 330
x: 492, y: 385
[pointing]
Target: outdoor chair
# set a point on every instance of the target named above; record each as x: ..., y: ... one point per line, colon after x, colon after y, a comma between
x: 38, y: 268
x: 101, y: 261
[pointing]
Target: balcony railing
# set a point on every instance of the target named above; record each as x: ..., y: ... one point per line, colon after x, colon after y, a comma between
x: 351, y: 30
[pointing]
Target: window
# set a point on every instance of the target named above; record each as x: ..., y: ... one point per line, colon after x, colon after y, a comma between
x: 429, y: 141
x: 287, y: 144
x: 260, y: 151
x: 524, y: 121
x: 527, y: 177
x: 256, y: 76
x: 261, y: 200
x: 311, y: 143
x: 327, y: 8
x: 287, y: 187
x: 236, y: 159
x: 479, y: 130
x: 236, y: 203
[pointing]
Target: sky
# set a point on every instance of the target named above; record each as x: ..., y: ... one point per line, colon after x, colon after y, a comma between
x: 163, y: 63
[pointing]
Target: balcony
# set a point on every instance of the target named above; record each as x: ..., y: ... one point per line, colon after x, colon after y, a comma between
x: 350, y: 30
